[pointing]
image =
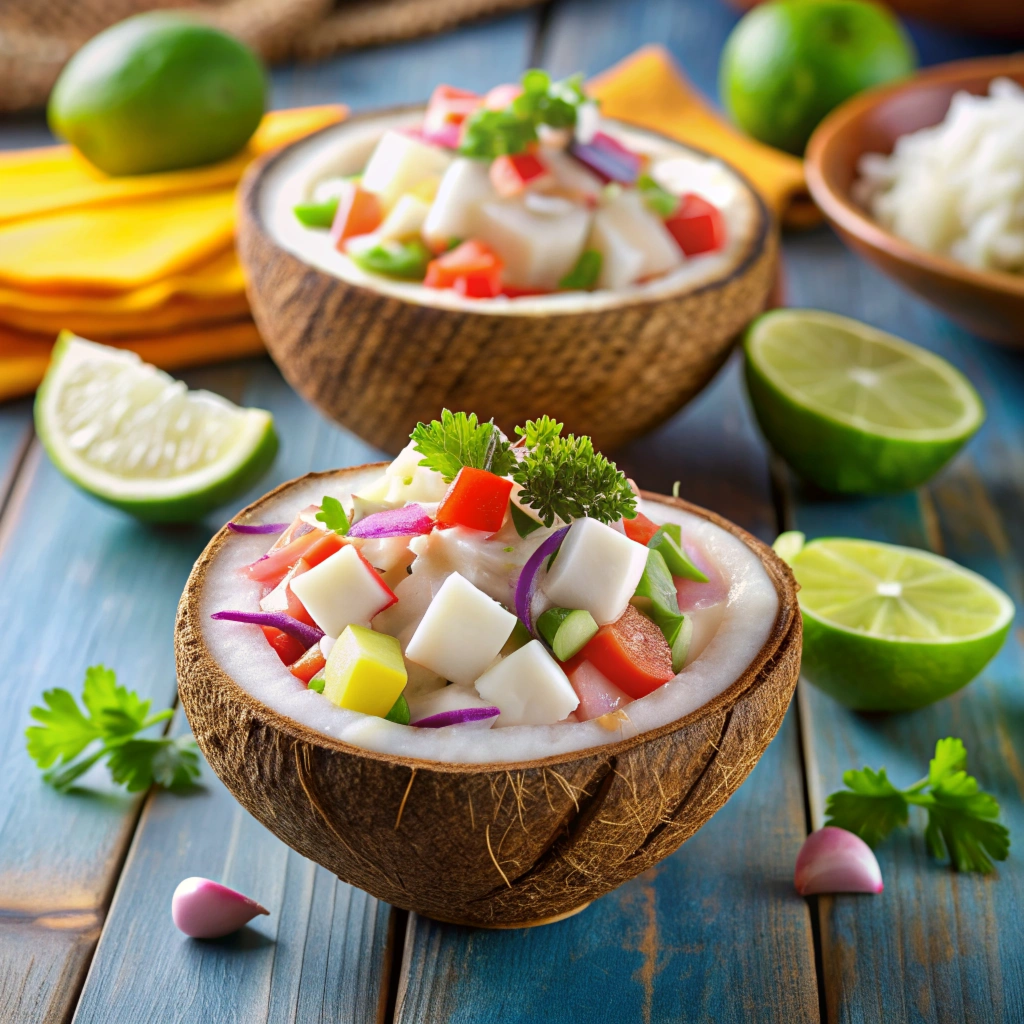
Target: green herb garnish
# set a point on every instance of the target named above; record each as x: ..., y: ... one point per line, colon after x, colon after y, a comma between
x: 458, y: 439
x: 332, y: 515
x: 524, y: 524
x: 961, y: 817
x: 317, y: 215
x: 493, y: 133
x: 404, y: 260
x: 657, y: 199
x: 564, y: 478
x: 584, y: 275
x: 69, y: 740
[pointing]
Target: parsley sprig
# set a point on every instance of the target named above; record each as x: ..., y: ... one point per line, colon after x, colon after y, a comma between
x: 459, y: 440
x: 69, y: 739
x: 961, y: 817
x: 561, y: 477
x: 332, y: 515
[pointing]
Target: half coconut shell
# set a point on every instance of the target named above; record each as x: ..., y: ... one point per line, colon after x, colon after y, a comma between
x: 497, y: 845
x: 378, y: 362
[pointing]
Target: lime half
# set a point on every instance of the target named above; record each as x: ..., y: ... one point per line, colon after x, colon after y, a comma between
x: 853, y: 409
x: 138, y: 439
x: 890, y: 628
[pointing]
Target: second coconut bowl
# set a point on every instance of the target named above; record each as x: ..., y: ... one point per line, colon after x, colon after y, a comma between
x: 378, y: 356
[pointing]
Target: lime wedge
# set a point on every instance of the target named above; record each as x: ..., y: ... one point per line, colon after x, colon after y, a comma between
x: 138, y: 439
x: 853, y: 409
x: 890, y: 628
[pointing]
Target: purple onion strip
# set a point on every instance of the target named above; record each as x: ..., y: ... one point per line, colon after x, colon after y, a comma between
x: 306, y: 635
x: 527, y: 585
x: 458, y: 717
x: 257, y: 527
x: 393, y: 522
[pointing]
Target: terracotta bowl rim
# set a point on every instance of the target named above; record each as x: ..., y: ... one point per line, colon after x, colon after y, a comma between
x: 786, y: 618
x: 765, y: 225
x: 844, y: 214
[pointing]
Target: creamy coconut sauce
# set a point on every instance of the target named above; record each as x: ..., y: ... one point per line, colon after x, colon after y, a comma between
x: 728, y: 636
x: 346, y: 148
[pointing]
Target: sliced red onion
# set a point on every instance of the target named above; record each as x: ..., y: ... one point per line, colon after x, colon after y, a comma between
x: 257, y: 527
x: 834, y: 860
x: 608, y: 159
x: 457, y: 717
x: 527, y: 585
x: 306, y: 635
x: 393, y: 522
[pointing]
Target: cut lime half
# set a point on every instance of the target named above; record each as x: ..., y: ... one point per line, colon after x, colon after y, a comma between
x: 853, y: 409
x: 890, y: 628
x: 138, y: 439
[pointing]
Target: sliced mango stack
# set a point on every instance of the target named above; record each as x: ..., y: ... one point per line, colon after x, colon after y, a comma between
x: 144, y: 262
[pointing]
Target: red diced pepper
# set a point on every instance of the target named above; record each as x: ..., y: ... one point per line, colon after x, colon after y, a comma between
x: 641, y: 529
x: 308, y: 664
x: 510, y: 175
x: 449, y: 106
x: 359, y: 213
x: 474, y: 262
x: 287, y: 647
x: 324, y: 547
x: 476, y: 499
x: 632, y: 653
x: 697, y: 226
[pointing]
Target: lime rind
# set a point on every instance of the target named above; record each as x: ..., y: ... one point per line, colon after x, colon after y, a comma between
x: 137, y: 439
x: 927, y: 399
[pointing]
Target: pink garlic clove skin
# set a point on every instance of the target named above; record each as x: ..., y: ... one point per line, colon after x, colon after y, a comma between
x: 834, y: 860
x: 208, y: 910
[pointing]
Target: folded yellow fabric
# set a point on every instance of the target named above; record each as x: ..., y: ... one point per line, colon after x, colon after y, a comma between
x: 36, y: 181
x: 26, y: 356
x: 648, y: 89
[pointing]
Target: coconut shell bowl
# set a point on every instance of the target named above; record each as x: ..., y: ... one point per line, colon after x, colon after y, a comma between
x: 378, y: 355
x: 498, y: 845
x: 989, y: 303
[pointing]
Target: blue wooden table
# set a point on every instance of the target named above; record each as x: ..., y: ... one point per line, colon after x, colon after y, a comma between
x: 714, y: 933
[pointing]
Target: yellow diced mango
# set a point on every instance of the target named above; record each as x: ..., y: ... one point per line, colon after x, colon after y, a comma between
x: 426, y: 189
x: 365, y: 671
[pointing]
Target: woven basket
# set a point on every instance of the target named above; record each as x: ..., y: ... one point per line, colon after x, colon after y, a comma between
x: 37, y: 37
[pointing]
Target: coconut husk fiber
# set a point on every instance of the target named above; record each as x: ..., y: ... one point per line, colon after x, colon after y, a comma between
x: 38, y: 37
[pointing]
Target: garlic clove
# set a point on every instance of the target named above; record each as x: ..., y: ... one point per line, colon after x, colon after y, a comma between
x: 204, y: 909
x: 834, y: 860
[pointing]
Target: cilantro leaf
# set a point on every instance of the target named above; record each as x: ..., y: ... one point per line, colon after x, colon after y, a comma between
x: 564, y: 478
x: 332, y: 515
x: 458, y: 439
x: 961, y: 817
x: 871, y: 806
x: 110, y: 722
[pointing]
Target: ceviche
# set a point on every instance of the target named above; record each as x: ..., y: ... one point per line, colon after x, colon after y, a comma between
x: 480, y: 582
x: 515, y: 193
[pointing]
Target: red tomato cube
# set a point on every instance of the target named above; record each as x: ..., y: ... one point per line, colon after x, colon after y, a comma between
x: 308, y: 664
x: 471, y: 260
x: 697, y: 226
x: 287, y: 647
x: 476, y: 499
x: 510, y: 175
x: 632, y: 653
x: 449, y: 105
x: 641, y: 529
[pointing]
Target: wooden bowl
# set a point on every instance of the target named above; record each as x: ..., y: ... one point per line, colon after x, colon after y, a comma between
x: 496, y: 845
x: 989, y: 303
x: 377, y: 360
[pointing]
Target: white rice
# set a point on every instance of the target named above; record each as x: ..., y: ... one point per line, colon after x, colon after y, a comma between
x: 957, y: 189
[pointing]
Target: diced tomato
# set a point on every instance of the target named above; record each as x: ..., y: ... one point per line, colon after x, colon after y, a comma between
x: 473, y: 261
x: 476, y: 499
x: 328, y: 543
x: 510, y: 175
x: 502, y: 96
x: 389, y: 594
x: 478, y: 286
x: 632, y: 653
x: 295, y: 608
x: 359, y: 213
x: 287, y: 647
x: 697, y: 226
x: 641, y: 529
x: 448, y: 106
x: 274, y: 566
x: 308, y: 664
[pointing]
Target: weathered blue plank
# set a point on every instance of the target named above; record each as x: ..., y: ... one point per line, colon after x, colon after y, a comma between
x: 934, y: 946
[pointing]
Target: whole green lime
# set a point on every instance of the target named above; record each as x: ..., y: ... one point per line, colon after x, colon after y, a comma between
x: 789, y: 62
x: 158, y: 92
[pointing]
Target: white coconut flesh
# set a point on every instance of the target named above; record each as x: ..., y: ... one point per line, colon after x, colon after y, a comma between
x: 344, y: 150
x: 728, y: 636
